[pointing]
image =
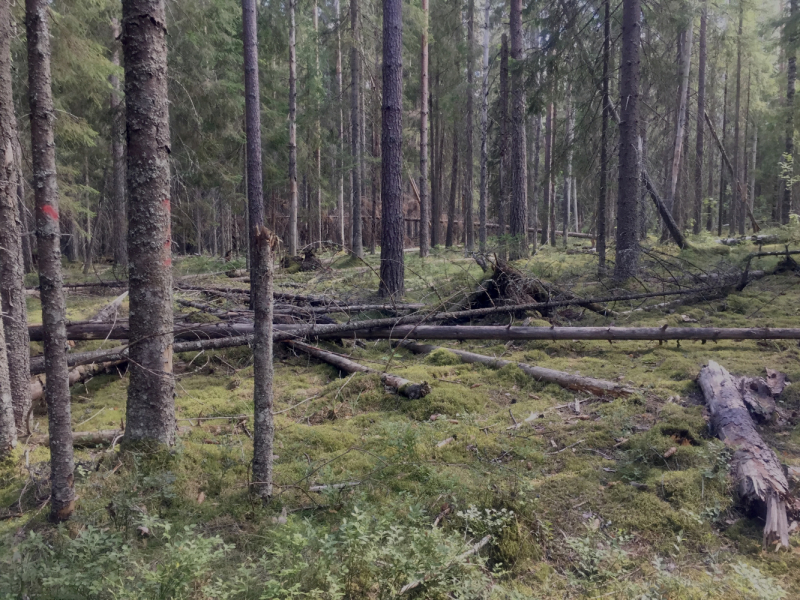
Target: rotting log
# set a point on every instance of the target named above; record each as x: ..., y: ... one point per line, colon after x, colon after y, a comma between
x: 404, y: 387
x: 77, y: 375
x: 755, y: 466
x: 577, y: 383
x: 82, y: 439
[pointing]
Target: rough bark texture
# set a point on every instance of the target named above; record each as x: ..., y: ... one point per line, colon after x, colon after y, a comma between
x: 755, y: 466
x: 533, y: 182
x: 505, y: 160
x: 8, y: 428
x: 603, y: 198
x: 451, y: 205
x: 317, y: 133
x: 627, y: 259
x: 547, y: 194
x: 355, y: 134
x: 701, y: 109
x: 12, y: 272
x: 263, y: 425
x: 392, y: 266
x: 791, y: 78
x: 151, y: 407
x: 737, y: 214
x: 683, y: 98
x: 721, y: 204
x: 292, y: 242
x: 578, y: 383
x: 484, y: 191
x: 551, y: 228
x: 119, y: 219
x: 424, y: 196
x: 518, y: 214
x: 469, y: 230
x: 567, y: 198
x: 43, y: 157
x: 340, y: 141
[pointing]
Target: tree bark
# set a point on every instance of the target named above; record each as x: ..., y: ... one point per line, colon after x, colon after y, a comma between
x: 469, y: 229
x: 119, y: 219
x: 451, y: 207
x: 551, y: 228
x: 518, y: 215
x: 340, y: 141
x: 8, y: 428
x: 755, y: 466
x: 293, y: 200
x: 43, y: 156
x: 627, y: 259
x: 355, y: 137
x: 151, y: 407
x: 720, y: 207
x: 548, y: 173
x: 701, y: 109
x: 505, y: 159
x: 16, y: 345
x: 602, y: 201
x: 533, y: 215
x: 484, y: 191
x: 424, y: 197
x: 392, y: 266
x: 737, y: 214
x: 317, y: 133
x: 568, y: 169
x: 791, y: 78
x: 437, y: 164
x: 683, y: 99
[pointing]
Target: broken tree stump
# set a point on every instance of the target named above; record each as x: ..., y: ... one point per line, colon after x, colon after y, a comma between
x: 758, y: 473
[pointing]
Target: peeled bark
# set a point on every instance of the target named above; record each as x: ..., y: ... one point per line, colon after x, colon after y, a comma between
x: 701, y: 109
x: 424, y: 197
x: 518, y: 215
x: 151, y: 405
x: 402, y: 386
x: 292, y: 241
x: 16, y: 346
x: 355, y: 134
x: 392, y: 266
x: 43, y: 156
x: 627, y: 259
x: 756, y: 468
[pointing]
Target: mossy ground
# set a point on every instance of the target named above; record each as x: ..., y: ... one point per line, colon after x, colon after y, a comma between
x: 580, y: 528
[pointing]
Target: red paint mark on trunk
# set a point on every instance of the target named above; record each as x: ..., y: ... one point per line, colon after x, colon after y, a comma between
x: 50, y: 212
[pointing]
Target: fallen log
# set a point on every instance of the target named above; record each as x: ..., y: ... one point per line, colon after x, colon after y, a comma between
x: 578, y: 383
x: 76, y: 375
x: 82, y: 439
x: 110, y: 310
x: 404, y: 387
x: 755, y: 466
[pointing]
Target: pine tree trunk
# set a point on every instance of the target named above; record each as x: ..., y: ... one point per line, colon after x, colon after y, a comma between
x: 720, y: 207
x: 753, y: 154
x: 317, y: 135
x: 340, y: 141
x: 518, y: 215
x: 736, y: 208
x: 424, y: 198
x: 701, y: 109
x: 534, y: 208
x: 602, y: 200
x: 119, y: 222
x: 451, y: 207
x: 16, y: 346
x: 392, y: 267
x: 436, y: 166
x: 43, y: 158
x: 505, y: 159
x: 683, y: 98
x: 791, y: 78
x: 469, y: 229
x: 355, y: 136
x: 552, y: 226
x: 8, y: 428
x: 151, y: 407
x: 548, y: 173
x: 293, y: 192
x: 484, y: 191
x: 567, y: 199
x: 376, y: 188
x: 627, y: 259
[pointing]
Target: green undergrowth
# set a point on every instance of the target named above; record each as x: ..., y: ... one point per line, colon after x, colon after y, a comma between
x: 629, y: 498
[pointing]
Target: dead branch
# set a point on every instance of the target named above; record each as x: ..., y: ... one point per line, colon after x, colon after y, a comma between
x: 110, y: 310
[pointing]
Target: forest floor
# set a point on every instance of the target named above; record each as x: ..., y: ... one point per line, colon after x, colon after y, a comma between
x: 556, y: 494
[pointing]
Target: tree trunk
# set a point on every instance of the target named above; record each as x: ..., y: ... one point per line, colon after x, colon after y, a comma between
x: 340, y: 141
x: 735, y: 197
x: 451, y: 207
x: 627, y: 259
x: 43, y: 157
x: 317, y: 134
x: 505, y: 159
x: 355, y: 136
x: 151, y: 406
x: 701, y: 109
x: 683, y: 98
x: 568, y: 169
x: 8, y: 428
x: 293, y: 199
x: 392, y: 267
x: 534, y: 182
x: 438, y: 166
x: 752, y: 192
x: 548, y: 173
x: 791, y: 78
x: 376, y: 190
x: 484, y: 191
x: 424, y: 198
x: 118, y: 158
x: 606, y: 99
x: 16, y: 346
x: 469, y: 229
x: 720, y: 207
x: 552, y: 227
x: 518, y: 215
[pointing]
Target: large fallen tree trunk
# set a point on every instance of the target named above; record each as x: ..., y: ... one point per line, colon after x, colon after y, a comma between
x: 404, y: 387
x: 755, y: 467
x: 76, y: 375
x: 578, y: 383
x: 83, y: 439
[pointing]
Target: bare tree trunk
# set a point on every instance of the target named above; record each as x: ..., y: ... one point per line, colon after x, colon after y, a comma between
x: 340, y: 144
x: 437, y: 168
x: 376, y: 188
x: 484, y: 191
x: 627, y: 259
x: 552, y: 226
x: 355, y: 137
x: 548, y: 173
x: 791, y: 78
x: 752, y: 191
x: 16, y: 345
x: 518, y: 215
x: 119, y: 219
x: 505, y: 159
x: 720, y: 208
x: 568, y: 169
x: 43, y: 156
x: 392, y: 266
x: 683, y: 98
x: 469, y: 229
x: 317, y: 134
x: 293, y: 200
x: 8, y: 428
x: 451, y: 207
x: 603, y: 198
x: 534, y: 183
x: 736, y: 208
x: 424, y: 198
x: 151, y: 407
x: 701, y: 109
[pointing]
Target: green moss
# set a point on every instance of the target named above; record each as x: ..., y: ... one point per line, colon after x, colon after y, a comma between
x: 442, y: 357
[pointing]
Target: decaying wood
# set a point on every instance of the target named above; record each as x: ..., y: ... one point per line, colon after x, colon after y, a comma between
x: 404, y: 387
x: 578, y: 383
x: 755, y: 466
x: 110, y: 310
